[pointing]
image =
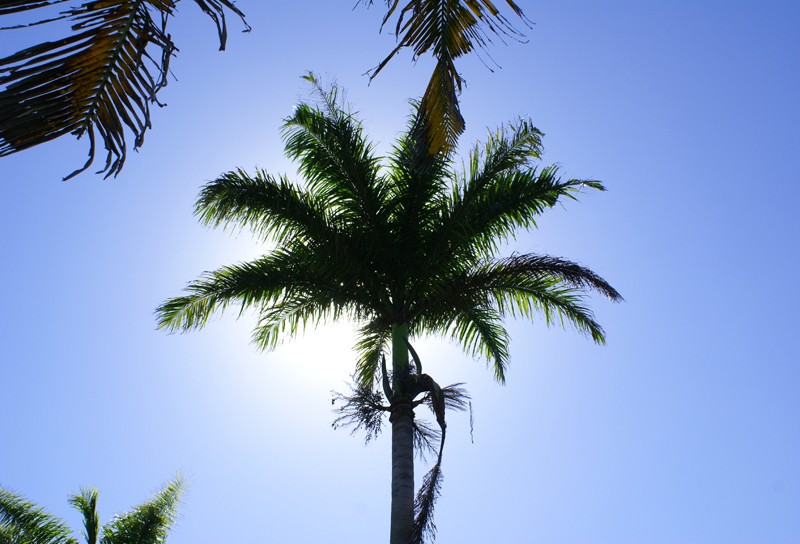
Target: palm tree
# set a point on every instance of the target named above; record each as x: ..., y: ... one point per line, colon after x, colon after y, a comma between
x: 102, y: 79
x: 21, y: 522
x: 404, y: 248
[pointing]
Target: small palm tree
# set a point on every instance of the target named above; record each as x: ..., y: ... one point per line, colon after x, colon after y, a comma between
x: 404, y: 249
x: 21, y: 522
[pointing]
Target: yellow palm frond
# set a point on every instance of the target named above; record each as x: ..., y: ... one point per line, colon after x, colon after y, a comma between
x: 447, y: 29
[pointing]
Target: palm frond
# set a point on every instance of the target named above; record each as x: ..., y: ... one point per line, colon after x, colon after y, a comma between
x: 418, y: 186
x: 471, y: 322
x: 148, y: 522
x: 529, y: 284
x: 448, y: 29
x: 216, y: 10
x: 500, y: 193
x: 424, y: 527
x: 97, y: 82
x: 289, y: 288
x: 362, y: 410
x: 271, y: 207
x: 437, y: 398
x: 248, y: 284
x: 18, y: 6
x: 334, y: 157
x: 521, y: 269
x: 86, y: 504
x: 22, y: 522
x: 520, y: 285
x: 373, y: 339
x: 10, y: 535
x: 298, y: 310
x: 455, y: 398
x: 559, y: 305
x: 426, y: 438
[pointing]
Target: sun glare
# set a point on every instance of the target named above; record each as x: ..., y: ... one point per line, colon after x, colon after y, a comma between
x: 323, y: 354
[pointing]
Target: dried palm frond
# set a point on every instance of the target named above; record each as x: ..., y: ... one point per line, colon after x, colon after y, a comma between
x: 361, y: 410
x: 426, y: 438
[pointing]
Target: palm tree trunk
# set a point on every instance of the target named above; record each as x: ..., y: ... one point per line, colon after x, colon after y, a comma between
x: 402, y: 420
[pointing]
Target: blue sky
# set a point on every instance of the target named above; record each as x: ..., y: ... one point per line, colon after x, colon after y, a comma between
x: 683, y: 429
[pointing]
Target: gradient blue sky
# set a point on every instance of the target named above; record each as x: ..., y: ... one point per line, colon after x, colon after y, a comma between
x: 683, y: 429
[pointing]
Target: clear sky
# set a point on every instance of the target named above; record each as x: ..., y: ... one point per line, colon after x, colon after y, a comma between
x: 683, y: 429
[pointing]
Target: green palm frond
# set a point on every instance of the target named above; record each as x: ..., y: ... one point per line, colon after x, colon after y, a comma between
x: 272, y: 208
x: 499, y: 193
x: 480, y: 332
x: 525, y: 270
x: 448, y: 29
x: 149, y: 522
x: 419, y: 183
x: 245, y: 284
x: 22, y: 522
x: 530, y: 285
x: 470, y: 320
x: 86, y: 504
x: 372, y: 344
x: 297, y: 310
x: 334, y: 157
x: 99, y: 81
x: 253, y: 284
x: 10, y: 535
x: 290, y: 288
x: 527, y: 285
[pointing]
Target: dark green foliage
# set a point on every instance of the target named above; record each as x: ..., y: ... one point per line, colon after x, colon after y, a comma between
x: 21, y: 522
x: 86, y: 504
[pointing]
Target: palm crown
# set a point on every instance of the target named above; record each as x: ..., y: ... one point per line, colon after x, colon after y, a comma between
x: 412, y: 243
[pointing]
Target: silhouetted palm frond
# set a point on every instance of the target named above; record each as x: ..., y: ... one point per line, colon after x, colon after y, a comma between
x: 362, y: 410
x: 99, y: 81
x: 431, y: 489
x: 448, y: 29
